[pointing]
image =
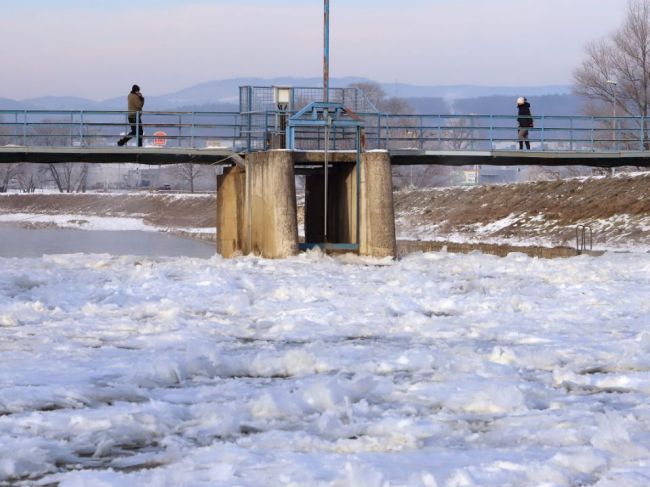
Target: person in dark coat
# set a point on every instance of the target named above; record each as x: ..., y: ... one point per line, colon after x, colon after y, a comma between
x: 135, y: 102
x: 525, y: 120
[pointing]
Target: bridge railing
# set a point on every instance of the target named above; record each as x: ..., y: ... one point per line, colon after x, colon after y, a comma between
x: 87, y: 128
x: 500, y: 132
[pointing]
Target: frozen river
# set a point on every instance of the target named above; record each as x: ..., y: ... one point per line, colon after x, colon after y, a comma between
x: 440, y: 369
x: 28, y: 242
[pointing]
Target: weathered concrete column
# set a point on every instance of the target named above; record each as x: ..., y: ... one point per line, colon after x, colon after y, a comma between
x: 377, y: 237
x: 256, y: 207
x: 230, y: 211
x: 273, y: 213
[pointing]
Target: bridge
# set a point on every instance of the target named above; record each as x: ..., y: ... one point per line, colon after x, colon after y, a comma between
x: 345, y: 149
x: 37, y: 136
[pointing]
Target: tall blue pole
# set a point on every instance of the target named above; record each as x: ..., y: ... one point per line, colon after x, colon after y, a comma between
x: 326, y: 57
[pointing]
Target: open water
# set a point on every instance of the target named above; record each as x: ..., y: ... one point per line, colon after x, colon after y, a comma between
x: 23, y: 242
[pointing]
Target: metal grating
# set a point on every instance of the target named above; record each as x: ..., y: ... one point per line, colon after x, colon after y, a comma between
x: 261, y: 117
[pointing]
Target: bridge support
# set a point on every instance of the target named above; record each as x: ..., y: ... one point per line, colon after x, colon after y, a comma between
x: 265, y: 222
x: 231, y: 222
x: 377, y: 231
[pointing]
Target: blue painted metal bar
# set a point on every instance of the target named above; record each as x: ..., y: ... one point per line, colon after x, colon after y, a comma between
x: 329, y: 246
x: 81, y: 128
x: 247, y: 131
x: 326, y: 55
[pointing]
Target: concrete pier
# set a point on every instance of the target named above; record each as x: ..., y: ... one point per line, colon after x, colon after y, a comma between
x: 231, y: 205
x: 257, y: 211
x: 273, y: 211
x: 377, y: 209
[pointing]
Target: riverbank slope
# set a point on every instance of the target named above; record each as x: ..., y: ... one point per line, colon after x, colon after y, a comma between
x: 614, y: 210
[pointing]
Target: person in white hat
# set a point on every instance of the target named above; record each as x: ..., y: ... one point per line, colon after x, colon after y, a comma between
x: 525, y: 120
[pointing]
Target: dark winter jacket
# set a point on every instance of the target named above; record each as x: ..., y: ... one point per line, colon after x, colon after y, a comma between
x: 524, y: 116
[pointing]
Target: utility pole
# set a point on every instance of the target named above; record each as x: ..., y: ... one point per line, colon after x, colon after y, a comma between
x: 326, y: 54
x: 326, y: 99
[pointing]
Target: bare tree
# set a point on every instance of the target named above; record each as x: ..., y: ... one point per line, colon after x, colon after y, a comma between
x: 458, y: 134
x: 616, y: 72
x: 69, y: 177
x: 31, y: 176
x: 7, y: 172
x: 382, y: 102
x: 188, y: 172
x: 50, y: 132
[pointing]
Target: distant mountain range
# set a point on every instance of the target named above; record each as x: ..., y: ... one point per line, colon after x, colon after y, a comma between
x: 224, y: 95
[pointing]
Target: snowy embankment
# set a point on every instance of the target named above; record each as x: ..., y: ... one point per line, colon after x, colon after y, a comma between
x: 185, y: 214
x: 614, y: 213
x: 440, y: 370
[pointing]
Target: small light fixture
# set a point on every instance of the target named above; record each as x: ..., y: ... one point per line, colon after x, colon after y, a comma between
x: 282, y: 95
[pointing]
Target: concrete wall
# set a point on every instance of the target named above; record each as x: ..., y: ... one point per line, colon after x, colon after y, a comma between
x: 231, y: 205
x: 273, y: 230
x: 377, y: 209
x: 274, y: 224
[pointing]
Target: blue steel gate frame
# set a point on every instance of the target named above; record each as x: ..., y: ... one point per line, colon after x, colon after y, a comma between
x: 330, y: 115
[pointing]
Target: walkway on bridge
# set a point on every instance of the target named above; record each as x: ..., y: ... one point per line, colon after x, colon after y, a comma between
x: 398, y: 157
x: 224, y: 137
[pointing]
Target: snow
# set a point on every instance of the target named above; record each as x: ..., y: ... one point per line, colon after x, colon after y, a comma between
x: 80, y: 222
x: 445, y: 370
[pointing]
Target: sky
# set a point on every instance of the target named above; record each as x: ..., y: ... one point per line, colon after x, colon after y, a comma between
x: 98, y: 49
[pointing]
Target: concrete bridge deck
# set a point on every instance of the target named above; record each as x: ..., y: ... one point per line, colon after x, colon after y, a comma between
x: 224, y: 156
x: 103, y: 155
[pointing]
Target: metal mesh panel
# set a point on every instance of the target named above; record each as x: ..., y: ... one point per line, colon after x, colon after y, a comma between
x: 261, y: 99
x: 260, y: 114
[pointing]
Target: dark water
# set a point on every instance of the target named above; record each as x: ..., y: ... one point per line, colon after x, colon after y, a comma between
x: 21, y: 242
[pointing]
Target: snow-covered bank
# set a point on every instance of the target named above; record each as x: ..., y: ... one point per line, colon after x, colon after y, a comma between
x: 614, y: 211
x: 81, y: 222
x: 440, y: 370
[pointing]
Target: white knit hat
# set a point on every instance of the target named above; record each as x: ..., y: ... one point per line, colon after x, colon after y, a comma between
x: 521, y: 100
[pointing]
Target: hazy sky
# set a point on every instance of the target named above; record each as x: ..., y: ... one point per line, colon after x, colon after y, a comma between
x: 98, y: 48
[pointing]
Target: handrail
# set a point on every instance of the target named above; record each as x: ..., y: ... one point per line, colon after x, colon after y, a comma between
x: 250, y: 131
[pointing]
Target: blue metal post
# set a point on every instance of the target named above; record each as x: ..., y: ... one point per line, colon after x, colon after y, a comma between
x: 25, y: 128
x: 378, y: 131
x: 81, y: 128
x: 543, y: 132
x: 192, y: 132
x: 266, y: 131
x: 358, y: 171
x: 490, y: 134
x: 643, y: 122
x: 326, y: 57
x: 249, y: 116
x: 180, y: 131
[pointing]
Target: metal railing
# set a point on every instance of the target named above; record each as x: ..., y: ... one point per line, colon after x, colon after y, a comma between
x: 80, y: 128
x: 87, y: 128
